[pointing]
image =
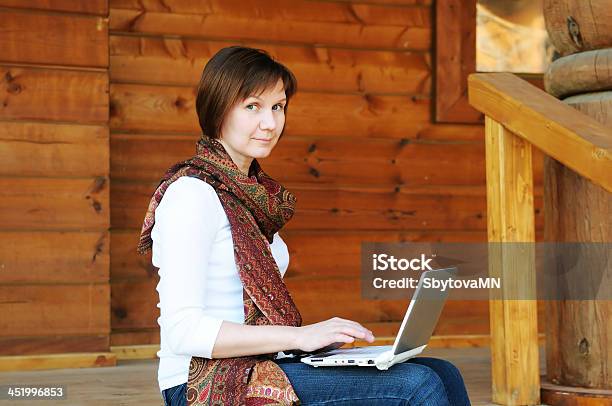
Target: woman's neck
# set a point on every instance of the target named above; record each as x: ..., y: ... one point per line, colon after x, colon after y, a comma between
x: 242, y: 162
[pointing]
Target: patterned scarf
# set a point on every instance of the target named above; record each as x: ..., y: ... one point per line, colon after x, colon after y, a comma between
x: 257, y: 207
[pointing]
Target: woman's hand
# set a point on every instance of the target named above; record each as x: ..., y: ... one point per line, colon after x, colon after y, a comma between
x: 331, y: 333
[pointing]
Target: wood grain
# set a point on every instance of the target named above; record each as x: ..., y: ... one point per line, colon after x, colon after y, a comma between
x: 300, y: 10
x: 57, y: 361
x: 583, y: 72
x: 597, y: 105
x: 77, y: 204
x: 180, y: 61
x: 55, y: 39
x: 455, y: 58
x: 54, y: 257
x: 97, y: 7
x: 53, y: 94
x: 592, y: 21
x: 58, y: 149
x: 362, y: 26
x: 558, y: 130
x: 514, y: 331
x: 54, y: 344
x: 45, y: 310
x: 577, y: 210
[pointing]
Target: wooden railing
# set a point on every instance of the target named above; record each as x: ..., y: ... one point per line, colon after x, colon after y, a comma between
x: 517, y: 117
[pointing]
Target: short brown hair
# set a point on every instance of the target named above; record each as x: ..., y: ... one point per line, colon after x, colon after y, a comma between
x: 233, y: 74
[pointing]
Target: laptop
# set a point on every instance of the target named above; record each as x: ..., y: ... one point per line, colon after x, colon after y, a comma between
x: 414, y: 333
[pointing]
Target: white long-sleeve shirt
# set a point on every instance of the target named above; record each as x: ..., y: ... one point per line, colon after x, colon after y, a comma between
x: 199, y: 285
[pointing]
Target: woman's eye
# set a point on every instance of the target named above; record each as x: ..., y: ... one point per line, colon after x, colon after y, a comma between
x: 276, y: 107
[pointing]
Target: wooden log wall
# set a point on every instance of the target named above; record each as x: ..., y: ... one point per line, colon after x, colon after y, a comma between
x: 54, y: 180
x: 359, y: 150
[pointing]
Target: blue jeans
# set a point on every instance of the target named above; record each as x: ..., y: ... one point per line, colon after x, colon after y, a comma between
x: 176, y: 395
x: 418, y: 381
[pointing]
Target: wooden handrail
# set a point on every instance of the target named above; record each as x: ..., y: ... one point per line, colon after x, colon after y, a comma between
x: 519, y: 116
x: 560, y: 131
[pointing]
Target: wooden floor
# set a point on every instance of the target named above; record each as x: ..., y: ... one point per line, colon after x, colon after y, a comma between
x: 135, y: 382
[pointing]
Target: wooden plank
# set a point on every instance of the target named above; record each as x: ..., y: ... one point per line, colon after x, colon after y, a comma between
x: 135, y: 337
x: 77, y: 204
x: 134, y: 305
x: 455, y: 58
x: 351, y: 207
x: 53, y: 94
x: 318, y: 160
x: 142, y: 351
x: 180, y: 61
x: 44, y: 310
x: 452, y: 132
x: 299, y: 10
x: 142, y: 108
x: 560, y: 131
x: 31, y: 257
x: 514, y: 331
x: 388, y: 2
x: 57, y: 149
x: 97, y: 7
x: 57, y: 361
x: 410, y: 30
x: 362, y: 209
x: 129, y: 204
x: 54, y: 39
x: 54, y: 344
x: 126, y: 263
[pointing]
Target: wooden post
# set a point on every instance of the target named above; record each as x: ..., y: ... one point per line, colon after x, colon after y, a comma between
x: 514, y: 333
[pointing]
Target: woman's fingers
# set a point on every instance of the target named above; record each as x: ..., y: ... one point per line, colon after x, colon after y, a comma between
x: 356, y: 329
x: 356, y: 333
x: 355, y: 324
x: 344, y: 338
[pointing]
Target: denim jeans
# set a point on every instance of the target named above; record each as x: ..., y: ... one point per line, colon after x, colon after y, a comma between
x: 176, y: 395
x: 418, y: 381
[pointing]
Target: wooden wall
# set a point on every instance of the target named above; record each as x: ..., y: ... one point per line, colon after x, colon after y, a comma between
x: 359, y: 150
x: 54, y: 178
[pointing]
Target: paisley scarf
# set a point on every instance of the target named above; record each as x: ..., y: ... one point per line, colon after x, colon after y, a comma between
x: 257, y: 207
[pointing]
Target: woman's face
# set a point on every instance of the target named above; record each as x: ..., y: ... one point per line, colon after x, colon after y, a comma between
x: 252, y: 126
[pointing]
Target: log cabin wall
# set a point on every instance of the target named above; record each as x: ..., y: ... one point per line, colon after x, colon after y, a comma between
x: 360, y: 150
x: 54, y: 179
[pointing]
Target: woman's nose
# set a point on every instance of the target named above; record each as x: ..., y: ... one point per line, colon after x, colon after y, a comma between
x: 268, y: 122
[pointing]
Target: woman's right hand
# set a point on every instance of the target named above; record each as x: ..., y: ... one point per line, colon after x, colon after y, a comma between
x: 329, y: 332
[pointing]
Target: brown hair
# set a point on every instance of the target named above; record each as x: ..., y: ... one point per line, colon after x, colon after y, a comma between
x: 232, y: 75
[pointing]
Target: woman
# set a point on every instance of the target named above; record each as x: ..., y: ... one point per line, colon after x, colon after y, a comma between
x: 225, y: 312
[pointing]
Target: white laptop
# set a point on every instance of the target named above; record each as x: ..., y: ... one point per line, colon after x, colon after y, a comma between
x: 414, y: 333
